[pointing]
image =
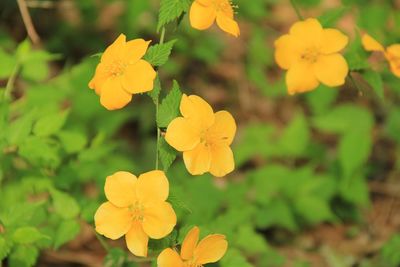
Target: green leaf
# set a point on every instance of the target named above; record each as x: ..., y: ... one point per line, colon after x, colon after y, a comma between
x: 295, y: 138
x: 234, y: 258
x: 20, y: 129
x: 50, y: 124
x: 27, y: 235
x: 8, y: 63
x: 247, y: 235
x: 116, y: 257
x: 354, y: 190
x: 64, y: 204
x: 72, y: 141
x: 330, y: 17
x: 158, y: 54
x: 23, y: 51
x: 40, y: 151
x: 65, y: 232
x: 155, y: 93
x: 375, y: 81
x: 171, y: 10
x: 23, y: 256
x: 356, y: 56
x: 5, y: 247
x: 167, y: 154
x: 276, y: 213
x: 390, y: 251
x: 169, y: 108
x: 313, y: 210
x: 354, y: 150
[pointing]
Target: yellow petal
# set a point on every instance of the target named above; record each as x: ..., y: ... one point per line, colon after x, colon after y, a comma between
x: 190, y: 243
x: 169, y: 258
x: 222, y: 161
x: 198, y: 160
x: 138, y: 77
x: 370, y: 44
x: 201, y: 17
x: 333, y: 41
x: 286, y: 51
x: 159, y: 219
x: 228, y: 24
x: 393, y: 56
x: 137, y: 240
x: 115, y: 51
x: 331, y: 70
x: 198, y: 111
x: 211, y: 249
x: 135, y: 50
x: 307, y: 32
x: 100, y: 77
x: 223, y: 130
x: 113, y: 96
x: 120, y: 189
x: 152, y: 186
x: 181, y: 135
x: 301, y: 78
x: 111, y: 221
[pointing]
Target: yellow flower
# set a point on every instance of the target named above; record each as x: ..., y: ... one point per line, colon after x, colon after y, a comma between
x: 210, y: 249
x: 203, y: 13
x: 121, y: 73
x: 311, y: 56
x: 392, y: 53
x: 136, y: 208
x: 203, y: 137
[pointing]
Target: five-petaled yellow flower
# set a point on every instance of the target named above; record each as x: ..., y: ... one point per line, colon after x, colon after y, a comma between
x: 311, y: 56
x: 203, y: 136
x: 136, y: 208
x: 193, y: 254
x: 121, y: 73
x: 392, y: 52
x: 203, y: 13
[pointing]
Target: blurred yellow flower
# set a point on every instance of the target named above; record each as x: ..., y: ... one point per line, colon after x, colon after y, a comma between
x: 121, y: 73
x: 210, y: 249
x: 203, y: 137
x: 203, y: 13
x: 136, y: 208
x: 311, y: 56
x: 392, y: 52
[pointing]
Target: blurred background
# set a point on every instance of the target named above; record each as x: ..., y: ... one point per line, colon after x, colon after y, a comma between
x: 317, y: 179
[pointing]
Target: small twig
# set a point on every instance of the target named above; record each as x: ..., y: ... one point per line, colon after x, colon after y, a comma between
x: 40, y: 4
x: 296, y: 9
x: 26, y: 17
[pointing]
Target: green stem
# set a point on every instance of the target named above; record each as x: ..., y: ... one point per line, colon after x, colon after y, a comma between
x: 11, y: 82
x: 162, y: 37
x: 296, y: 9
x: 103, y: 242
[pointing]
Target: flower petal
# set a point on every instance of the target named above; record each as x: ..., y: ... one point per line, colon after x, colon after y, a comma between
x: 135, y: 50
x: 308, y: 31
x: 201, y: 16
x: 223, y: 130
x: 333, y: 41
x: 190, y: 243
x: 370, y: 44
x: 113, y: 96
x: 197, y: 110
x: 115, y: 51
x: 228, y: 24
x: 159, y: 219
x: 198, y: 160
x: 286, y: 51
x: 211, y: 249
x: 222, y: 161
x: 331, y: 70
x: 301, y: 78
x: 111, y: 221
x: 152, y: 186
x: 393, y: 56
x: 139, y: 77
x: 100, y: 77
x: 120, y: 189
x: 181, y: 135
x: 137, y: 240
x: 169, y: 258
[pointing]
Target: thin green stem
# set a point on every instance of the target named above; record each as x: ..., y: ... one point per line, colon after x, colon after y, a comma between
x: 11, y: 82
x: 162, y: 37
x: 296, y: 9
x: 103, y: 242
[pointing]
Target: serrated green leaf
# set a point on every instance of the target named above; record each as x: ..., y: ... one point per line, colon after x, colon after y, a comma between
x: 375, y: 81
x: 27, y: 235
x: 8, y: 63
x: 295, y: 137
x: 158, y: 54
x: 23, y: 256
x: 64, y: 204
x: 65, y: 232
x: 40, y: 151
x: 23, y: 51
x: 167, y: 154
x: 171, y: 10
x: 169, y: 107
x: 5, y: 247
x: 234, y: 258
x: 50, y: 124
x: 72, y: 141
x: 155, y: 93
x: 20, y: 129
x: 329, y: 18
x: 314, y: 210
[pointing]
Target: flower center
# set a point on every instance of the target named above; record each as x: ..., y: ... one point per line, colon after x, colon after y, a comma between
x: 136, y: 211
x: 310, y: 55
x: 116, y: 68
